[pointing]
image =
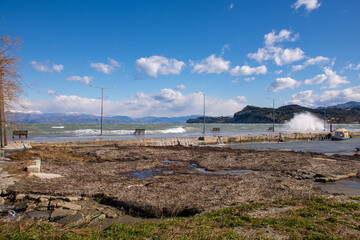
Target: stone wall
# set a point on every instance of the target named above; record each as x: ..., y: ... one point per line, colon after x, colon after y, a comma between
x: 261, y: 138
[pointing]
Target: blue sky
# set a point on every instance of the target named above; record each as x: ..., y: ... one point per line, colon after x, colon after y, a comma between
x: 158, y: 54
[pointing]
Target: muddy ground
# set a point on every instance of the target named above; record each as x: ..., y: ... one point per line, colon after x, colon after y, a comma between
x: 177, y: 180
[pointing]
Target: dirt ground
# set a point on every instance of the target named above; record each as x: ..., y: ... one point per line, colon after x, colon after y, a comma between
x: 177, y: 180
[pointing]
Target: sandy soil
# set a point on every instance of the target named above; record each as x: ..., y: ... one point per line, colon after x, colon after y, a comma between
x: 170, y: 184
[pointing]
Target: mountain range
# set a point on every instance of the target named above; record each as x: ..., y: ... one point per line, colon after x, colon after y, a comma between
x: 342, y: 113
x: 89, y: 118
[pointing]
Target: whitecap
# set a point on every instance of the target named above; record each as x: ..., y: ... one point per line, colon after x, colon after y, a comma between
x: 304, y: 122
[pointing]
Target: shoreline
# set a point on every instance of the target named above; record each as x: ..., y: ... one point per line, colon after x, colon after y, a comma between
x: 195, y: 141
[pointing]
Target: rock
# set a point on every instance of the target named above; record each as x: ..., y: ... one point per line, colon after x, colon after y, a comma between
x: 109, y: 213
x: 44, y: 200
x: 33, y: 168
x: 61, y: 213
x: 44, y: 175
x: 37, y: 215
x: 35, y: 197
x: 54, y: 203
x: 4, y: 192
x: 27, y: 145
x: 71, y: 198
x: 37, y: 162
x: 2, y: 201
x: 42, y: 206
x: 30, y: 206
x: 99, y: 208
x: 72, y: 220
x: 66, y: 205
x: 20, y: 196
x: 102, y: 217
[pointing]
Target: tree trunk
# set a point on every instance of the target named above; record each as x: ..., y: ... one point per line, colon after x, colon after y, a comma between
x: 2, y: 114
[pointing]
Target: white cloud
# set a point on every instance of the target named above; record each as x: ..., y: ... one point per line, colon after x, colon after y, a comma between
x: 249, y: 79
x: 327, y: 98
x: 106, y: 68
x: 242, y: 99
x: 278, y: 72
x: 46, y: 67
x: 51, y: 92
x: 278, y: 54
x: 225, y: 47
x: 58, y: 68
x: 308, y: 4
x: 353, y: 67
x: 340, y: 96
x: 287, y: 56
x: 282, y: 83
x: 283, y: 36
x: 246, y: 70
x: 306, y: 98
x: 316, y: 80
x: 312, y: 61
x: 231, y: 6
x: 211, y: 64
x: 180, y: 87
x: 85, y: 79
x: 331, y: 78
x: 158, y: 65
x: 166, y: 102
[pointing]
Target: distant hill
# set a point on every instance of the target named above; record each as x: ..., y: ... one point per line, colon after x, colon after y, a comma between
x: 253, y: 114
x: 88, y: 118
x: 351, y: 104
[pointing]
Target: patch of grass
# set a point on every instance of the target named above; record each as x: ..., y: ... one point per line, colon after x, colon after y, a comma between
x: 314, y: 218
x: 354, y: 198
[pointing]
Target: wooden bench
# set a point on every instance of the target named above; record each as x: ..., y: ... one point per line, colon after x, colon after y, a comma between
x: 139, y: 131
x: 216, y: 130
x: 20, y: 133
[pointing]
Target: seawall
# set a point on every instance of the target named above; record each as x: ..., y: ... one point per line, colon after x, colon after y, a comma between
x: 194, y: 141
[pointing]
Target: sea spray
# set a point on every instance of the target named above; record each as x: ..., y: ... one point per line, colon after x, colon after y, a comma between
x: 304, y: 122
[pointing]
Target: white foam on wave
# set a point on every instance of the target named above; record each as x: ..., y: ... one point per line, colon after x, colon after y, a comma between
x: 174, y: 130
x: 304, y: 122
x: 169, y: 130
x: 119, y: 132
x: 57, y: 127
x: 84, y: 132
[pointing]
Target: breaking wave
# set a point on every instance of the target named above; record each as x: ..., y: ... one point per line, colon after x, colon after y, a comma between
x: 304, y: 122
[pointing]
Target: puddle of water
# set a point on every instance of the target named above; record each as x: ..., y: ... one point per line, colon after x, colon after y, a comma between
x: 355, y: 185
x: 10, y: 213
x: 168, y: 161
x: 349, y: 186
x: 145, y: 173
x: 225, y: 172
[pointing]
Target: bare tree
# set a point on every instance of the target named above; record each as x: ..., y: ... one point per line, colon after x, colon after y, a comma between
x: 10, y: 86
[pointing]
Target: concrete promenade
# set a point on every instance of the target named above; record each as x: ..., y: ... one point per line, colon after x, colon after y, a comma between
x: 194, y: 141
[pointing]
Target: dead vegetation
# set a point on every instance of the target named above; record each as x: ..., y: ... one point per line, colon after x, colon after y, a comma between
x: 170, y: 184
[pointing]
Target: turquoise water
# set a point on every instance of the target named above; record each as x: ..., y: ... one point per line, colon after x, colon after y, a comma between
x: 66, y: 132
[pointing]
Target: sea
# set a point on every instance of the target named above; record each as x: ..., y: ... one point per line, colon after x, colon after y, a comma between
x: 85, y: 132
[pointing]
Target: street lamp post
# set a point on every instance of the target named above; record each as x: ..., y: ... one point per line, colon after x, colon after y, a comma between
x: 102, y: 104
x: 204, y: 111
x: 324, y: 118
x: 273, y: 128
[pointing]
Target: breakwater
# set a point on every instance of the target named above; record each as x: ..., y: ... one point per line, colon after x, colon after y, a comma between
x: 207, y: 140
